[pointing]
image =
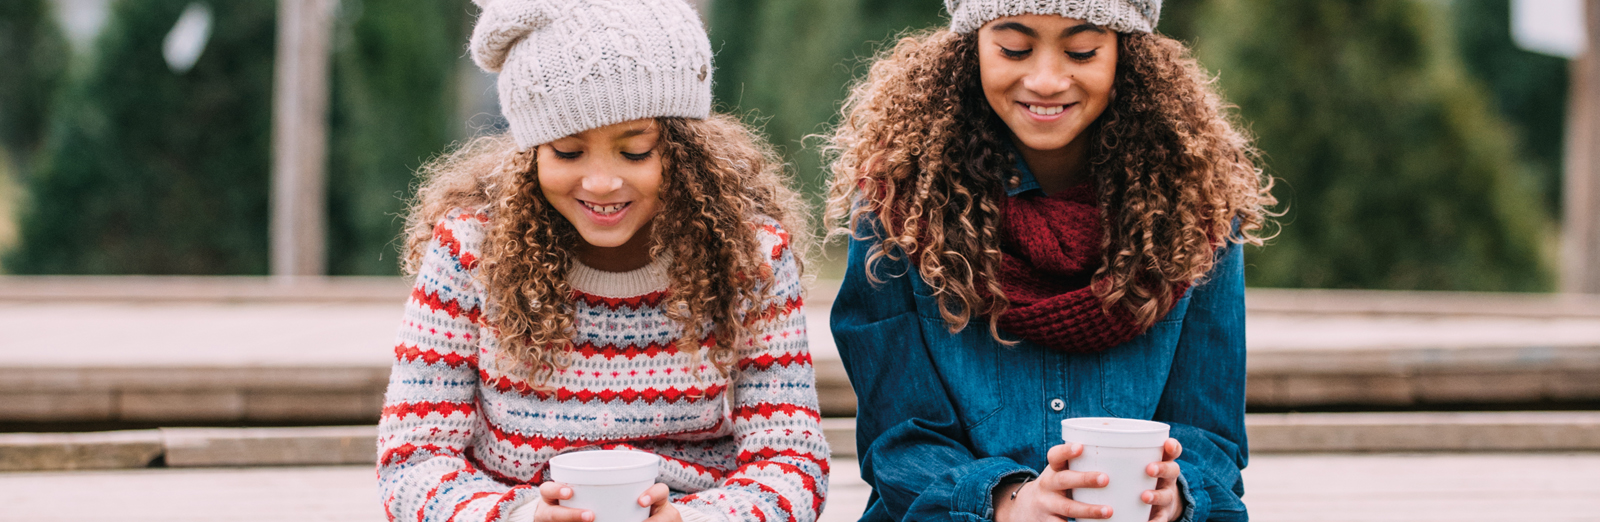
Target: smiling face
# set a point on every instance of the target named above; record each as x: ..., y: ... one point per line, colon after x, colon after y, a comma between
x: 607, y: 183
x: 1048, y: 77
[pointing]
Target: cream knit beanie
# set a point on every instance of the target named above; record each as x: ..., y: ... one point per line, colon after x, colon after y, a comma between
x: 567, y: 66
x: 1123, y: 16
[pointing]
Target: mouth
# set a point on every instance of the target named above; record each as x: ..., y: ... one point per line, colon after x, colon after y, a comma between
x: 1046, y: 111
x: 607, y: 209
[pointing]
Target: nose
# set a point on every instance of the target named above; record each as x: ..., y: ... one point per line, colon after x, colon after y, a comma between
x: 600, y: 181
x: 1048, y: 77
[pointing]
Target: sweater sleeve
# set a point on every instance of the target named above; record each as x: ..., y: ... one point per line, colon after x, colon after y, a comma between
x: 782, y: 465
x: 430, y: 411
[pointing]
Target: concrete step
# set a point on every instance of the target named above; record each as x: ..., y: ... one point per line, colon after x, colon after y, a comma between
x: 1269, y: 433
x: 195, y: 351
x: 1430, y: 487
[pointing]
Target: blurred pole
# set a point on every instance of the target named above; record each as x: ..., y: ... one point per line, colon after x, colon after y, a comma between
x: 300, y: 138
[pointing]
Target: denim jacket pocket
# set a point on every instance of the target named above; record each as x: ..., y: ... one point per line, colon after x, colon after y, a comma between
x: 968, y: 361
x: 1134, y: 374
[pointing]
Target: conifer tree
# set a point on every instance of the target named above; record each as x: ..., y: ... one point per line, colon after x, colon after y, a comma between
x: 394, y: 103
x: 150, y: 171
x: 1396, y: 170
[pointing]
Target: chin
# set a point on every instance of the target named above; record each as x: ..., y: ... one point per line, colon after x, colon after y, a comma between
x: 605, y: 240
x: 1043, y: 143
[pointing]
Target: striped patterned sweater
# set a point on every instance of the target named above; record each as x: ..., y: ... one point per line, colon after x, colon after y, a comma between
x: 459, y: 440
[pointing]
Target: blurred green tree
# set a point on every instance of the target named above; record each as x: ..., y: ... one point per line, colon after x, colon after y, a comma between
x: 788, y: 64
x: 150, y: 171
x: 1529, y: 89
x: 1396, y: 170
x: 33, y: 55
x: 147, y: 170
x: 394, y: 106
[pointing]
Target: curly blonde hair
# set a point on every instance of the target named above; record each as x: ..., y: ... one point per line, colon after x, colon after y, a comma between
x: 920, y: 149
x: 720, y: 178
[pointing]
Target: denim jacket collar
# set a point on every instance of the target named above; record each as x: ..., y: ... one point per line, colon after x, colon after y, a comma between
x: 1021, y: 181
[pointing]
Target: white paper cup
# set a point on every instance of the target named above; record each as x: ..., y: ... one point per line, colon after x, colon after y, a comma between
x: 607, y: 482
x: 1120, y: 448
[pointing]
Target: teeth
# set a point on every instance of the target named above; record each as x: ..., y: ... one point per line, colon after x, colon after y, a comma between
x: 1045, y: 111
x: 605, y: 209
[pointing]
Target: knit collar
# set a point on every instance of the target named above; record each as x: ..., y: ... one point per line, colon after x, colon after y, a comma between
x: 633, y: 283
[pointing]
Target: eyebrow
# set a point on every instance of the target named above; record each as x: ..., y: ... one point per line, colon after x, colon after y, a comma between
x: 1074, y: 30
x: 632, y: 133
x: 1070, y: 31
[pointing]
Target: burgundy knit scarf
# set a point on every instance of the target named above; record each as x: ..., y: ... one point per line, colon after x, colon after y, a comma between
x: 1050, y: 249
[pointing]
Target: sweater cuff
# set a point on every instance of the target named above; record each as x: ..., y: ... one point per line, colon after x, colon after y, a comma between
x: 526, y: 511
x: 689, y: 514
x: 974, y: 495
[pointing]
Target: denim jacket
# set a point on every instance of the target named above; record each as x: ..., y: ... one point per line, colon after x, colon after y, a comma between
x: 942, y: 418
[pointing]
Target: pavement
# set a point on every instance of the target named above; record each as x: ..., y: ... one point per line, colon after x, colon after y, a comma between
x: 1548, y: 487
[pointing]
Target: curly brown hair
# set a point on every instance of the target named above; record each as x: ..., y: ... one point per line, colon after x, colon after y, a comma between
x: 720, y: 179
x: 920, y: 149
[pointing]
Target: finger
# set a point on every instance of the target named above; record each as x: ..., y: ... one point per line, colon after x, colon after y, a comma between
x: 1064, y: 507
x: 665, y: 512
x: 1166, y: 470
x: 657, y: 494
x: 1171, y: 449
x: 1061, y: 453
x: 1065, y: 480
x: 1158, y: 497
x: 564, y: 514
x: 554, y: 491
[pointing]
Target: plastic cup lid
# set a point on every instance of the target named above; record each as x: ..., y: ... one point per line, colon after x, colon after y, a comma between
x: 605, y: 467
x: 1111, y: 432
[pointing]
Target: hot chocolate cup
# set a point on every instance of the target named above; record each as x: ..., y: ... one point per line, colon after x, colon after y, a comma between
x: 1121, y: 449
x: 607, y: 482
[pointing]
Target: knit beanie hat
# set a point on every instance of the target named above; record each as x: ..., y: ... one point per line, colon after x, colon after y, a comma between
x: 1123, y: 16
x: 567, y: 66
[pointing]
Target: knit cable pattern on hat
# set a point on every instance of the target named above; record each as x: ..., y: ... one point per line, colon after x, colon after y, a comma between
x: 1123, y: 16
x: 567, y: 66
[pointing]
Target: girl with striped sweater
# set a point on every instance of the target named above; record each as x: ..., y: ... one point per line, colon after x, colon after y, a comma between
x: 620, y: 272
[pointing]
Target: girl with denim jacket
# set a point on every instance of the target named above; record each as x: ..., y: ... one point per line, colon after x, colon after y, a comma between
x: 1046, y: 205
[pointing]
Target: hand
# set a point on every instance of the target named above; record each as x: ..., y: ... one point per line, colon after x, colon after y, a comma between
x: 1050, y: 497
x: 552, y: 493
x: 1164, y: 502
x: 661, y: 508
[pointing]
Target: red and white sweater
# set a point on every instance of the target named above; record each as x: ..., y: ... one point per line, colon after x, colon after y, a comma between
x: 460, y: 440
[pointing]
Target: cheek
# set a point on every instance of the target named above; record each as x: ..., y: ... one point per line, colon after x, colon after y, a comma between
x: 648, y: 181
x: 555, y: 182
x: 996, y: 78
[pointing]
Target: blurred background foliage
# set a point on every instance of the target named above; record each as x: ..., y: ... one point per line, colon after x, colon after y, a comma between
x: 1397, y: 169
x: 1416, y: 146
x: 144, y: 170
x: 393, y: 107
x: 150, y: 171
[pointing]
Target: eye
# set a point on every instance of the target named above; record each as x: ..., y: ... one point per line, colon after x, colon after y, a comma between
x: 1083, y: 56
x: 1015, y: 54
x: 566, y: 155
x: 638, y: 157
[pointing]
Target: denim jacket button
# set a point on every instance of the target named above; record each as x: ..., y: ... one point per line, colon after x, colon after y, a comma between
x: 1057, y: 404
